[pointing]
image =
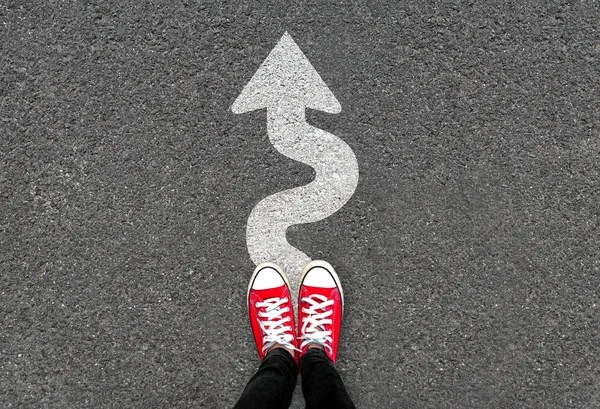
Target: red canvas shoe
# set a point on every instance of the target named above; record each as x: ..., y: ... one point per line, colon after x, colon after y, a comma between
x: 320, y: 309
x: 270, y: 308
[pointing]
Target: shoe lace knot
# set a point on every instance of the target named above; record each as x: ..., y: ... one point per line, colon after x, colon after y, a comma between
x: 316, y: 325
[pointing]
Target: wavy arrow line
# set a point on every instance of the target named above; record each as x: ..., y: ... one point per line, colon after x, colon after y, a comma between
x: 286, y: 84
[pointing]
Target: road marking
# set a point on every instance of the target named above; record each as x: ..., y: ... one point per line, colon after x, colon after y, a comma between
x: 286, y: 84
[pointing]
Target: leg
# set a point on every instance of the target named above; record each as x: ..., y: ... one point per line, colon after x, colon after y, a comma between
x: 322, y: 385
x: 273, y: 384
x: 320, y: 310
x: 272, y: 320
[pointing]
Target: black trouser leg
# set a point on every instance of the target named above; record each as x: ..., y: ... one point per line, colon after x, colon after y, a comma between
x: 273, y: 384
x: 322, y: 386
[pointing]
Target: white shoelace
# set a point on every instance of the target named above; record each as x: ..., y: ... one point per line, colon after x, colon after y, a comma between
x: 274, y: 330
x: 313, y: 327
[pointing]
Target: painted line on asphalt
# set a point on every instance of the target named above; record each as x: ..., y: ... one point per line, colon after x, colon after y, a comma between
x: 286, y: 84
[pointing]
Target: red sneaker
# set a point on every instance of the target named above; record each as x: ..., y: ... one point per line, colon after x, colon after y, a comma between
x: 270, y: 308
x: 320, y: 309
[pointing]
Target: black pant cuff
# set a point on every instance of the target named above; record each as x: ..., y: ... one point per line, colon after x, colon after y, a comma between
x: 285, y: 355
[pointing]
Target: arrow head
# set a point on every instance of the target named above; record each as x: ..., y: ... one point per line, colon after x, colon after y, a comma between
x: 286, y: 74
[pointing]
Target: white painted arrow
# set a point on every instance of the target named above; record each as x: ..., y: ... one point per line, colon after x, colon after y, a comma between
x: 286, y: 84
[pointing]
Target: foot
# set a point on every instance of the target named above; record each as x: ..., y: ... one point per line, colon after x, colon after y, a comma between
x: 320, y: 310
x: 271, y: 311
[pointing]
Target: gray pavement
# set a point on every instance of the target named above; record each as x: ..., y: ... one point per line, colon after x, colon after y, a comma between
x: 469, y: 253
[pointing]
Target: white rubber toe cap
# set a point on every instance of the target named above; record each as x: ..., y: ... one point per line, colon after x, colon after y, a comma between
x: 266, y: 278
x: 319, y: 277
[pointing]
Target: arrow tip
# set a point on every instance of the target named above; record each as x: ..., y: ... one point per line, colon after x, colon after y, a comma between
x: 286, y: 74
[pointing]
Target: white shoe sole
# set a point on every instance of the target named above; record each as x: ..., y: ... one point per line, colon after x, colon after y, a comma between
x: 330, y: 269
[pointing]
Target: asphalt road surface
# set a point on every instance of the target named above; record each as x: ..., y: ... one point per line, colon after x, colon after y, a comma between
x: 469, y: 253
